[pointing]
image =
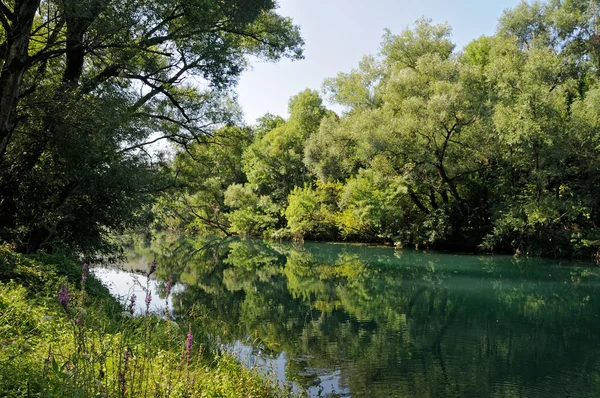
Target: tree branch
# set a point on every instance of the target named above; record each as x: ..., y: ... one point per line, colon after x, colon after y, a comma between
x: 417, y: 201
x: 143, y: 144
x: 4, y: 22
x: 5, y: 11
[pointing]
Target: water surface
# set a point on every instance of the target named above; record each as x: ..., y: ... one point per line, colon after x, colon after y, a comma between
x: 347, y: 320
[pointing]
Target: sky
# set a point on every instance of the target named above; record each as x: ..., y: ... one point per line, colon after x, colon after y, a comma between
x: 337, y: 33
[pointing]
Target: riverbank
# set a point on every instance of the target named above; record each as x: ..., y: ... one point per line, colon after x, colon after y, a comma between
x: 63, y: 334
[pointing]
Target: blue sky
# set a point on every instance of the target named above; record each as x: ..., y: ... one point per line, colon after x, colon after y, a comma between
x: 339, y: 32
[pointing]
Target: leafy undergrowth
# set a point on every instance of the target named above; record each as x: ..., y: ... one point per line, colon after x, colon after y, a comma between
x: 63, y: 335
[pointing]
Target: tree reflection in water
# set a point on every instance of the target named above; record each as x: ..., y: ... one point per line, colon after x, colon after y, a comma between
x: 397, y: 323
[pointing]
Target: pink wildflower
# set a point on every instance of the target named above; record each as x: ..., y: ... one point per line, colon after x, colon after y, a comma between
x: 188, y: 345
x: 64, y: 296
x: 131, y: 306
x: 152, y: 267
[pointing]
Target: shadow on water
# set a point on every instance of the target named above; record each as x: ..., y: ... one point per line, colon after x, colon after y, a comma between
x: 346, y: 320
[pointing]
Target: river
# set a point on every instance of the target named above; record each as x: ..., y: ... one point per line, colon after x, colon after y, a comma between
x: 349, y: 320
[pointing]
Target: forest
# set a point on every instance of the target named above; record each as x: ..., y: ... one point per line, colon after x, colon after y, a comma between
x: 493, y: 147
x: 86, y: 88
x: 121, y: 116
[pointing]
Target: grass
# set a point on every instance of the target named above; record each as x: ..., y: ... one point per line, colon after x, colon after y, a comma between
x: 63, y: 335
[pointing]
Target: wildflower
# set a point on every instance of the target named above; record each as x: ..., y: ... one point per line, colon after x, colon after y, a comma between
x: 148, y: 300
x: 188, y: 345
x: 123, y: 372
x: 152, y: 267
x: 64, y: 296
x: 168, y: 288
x: 79, y: 321
x: 167, y: 293
x: 84, y: 271
x: 131, y: 306
x: 125, y: 314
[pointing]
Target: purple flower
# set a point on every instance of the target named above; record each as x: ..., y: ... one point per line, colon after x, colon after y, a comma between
x: 188, y: 346
x: 123, y: 372
x: 168, y: 288
x: 64, y: 296
x: 84, y: 271
x: 131, y: 306
x: 148, y: 300
x: 152, y: 267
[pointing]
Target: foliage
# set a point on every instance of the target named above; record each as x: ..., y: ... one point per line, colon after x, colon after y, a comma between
x: 252, y: 214
x: 70, y: 347
x: 371, y: 204
x: 494, y: 147
x: 86, y: 87
x: 312, y: 212
x: 203, y: 173
x: 273, y: 163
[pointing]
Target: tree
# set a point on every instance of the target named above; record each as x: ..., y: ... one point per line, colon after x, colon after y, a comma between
x: 114, y: 77
x: 428, y: 124
x: 251, y: 214
x: 273, y: 163
x: 493, y: 147
x: 203, y: 173
x: 312, y: 212
x: 542, y: 82
x: 373, y: 205
x: 331, y: 152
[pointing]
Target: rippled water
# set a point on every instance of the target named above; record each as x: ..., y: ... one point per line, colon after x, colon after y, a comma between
x: 345, y: 320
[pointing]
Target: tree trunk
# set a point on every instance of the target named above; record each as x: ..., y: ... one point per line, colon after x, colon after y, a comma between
x: 14, y: 66
x: 79, y: 15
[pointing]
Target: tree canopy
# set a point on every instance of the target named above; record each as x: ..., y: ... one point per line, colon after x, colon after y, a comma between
x: 492, y: 146
x: 87, y: 85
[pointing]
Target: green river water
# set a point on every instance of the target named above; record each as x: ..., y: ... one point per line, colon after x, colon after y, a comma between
x: 348, y: 320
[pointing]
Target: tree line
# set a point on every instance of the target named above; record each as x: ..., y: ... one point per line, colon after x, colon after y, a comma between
x: 494, y: 147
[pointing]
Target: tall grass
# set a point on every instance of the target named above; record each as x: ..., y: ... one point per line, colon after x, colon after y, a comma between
x: 62, y: 335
